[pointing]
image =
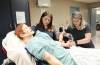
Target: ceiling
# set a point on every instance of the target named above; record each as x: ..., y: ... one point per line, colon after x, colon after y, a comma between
x: 87, y: 1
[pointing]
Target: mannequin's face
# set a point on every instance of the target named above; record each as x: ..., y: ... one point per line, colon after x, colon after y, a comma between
x: 27, y: 31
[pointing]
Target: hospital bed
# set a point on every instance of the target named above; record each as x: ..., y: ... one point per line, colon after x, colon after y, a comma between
x: 85, y: 56
x: 17, y: 53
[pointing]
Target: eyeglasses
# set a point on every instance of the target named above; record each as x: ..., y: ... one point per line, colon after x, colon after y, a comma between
x: 77, y: 18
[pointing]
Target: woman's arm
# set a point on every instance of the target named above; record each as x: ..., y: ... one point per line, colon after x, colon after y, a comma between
x: 61, y: 36
x: 51, y: 59
x: 85, y: 40
x: 69, y: 43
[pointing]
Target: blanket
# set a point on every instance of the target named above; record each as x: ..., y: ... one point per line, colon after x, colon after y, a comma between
x: 85, y: 56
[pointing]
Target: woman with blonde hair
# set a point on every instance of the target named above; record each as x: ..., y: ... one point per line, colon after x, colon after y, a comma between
x: 80, y: 31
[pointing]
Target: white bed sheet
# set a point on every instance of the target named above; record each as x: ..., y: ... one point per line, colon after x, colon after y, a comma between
x: 85, y: 56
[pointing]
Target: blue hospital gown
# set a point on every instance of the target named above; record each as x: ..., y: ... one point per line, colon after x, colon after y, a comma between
x: 42, y: 43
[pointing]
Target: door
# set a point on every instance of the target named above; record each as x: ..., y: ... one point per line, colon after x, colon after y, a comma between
x: 8, y: 9
x: 5, y: 18
x: 5, y: 22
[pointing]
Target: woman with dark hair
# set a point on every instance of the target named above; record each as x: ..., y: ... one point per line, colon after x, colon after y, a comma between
x: 45, y: 25
x: 80, y: 31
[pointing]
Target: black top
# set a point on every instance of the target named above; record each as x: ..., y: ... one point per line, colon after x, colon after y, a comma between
x: 80, y: 34
x: 52, y: 34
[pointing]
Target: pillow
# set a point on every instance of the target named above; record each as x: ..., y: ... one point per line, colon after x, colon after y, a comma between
x: 12, y: 43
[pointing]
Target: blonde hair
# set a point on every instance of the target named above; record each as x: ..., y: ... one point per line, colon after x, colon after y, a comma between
x: 79, y: 15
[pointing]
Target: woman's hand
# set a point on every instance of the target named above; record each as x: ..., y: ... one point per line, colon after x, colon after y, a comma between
x: 70, y: 43
x: 65, y: 45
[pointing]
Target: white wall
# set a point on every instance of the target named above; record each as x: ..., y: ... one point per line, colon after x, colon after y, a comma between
x: 60, y: 10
